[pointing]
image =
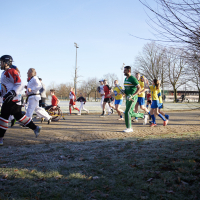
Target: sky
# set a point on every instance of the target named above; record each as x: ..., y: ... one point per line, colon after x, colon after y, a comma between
x: 40, y: 34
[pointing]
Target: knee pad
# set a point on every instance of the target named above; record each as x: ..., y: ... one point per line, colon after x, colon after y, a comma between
x: 3, y: 123
x: 25, y: 120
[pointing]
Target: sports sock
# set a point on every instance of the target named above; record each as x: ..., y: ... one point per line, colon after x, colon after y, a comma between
x: 120, y: 116
x: 76, y: 108
x: 136, y: 118
x: 149, y: 113
x: 166, y: 116
x: 153, y: 119
x: 147, y: 106
x: 161, y: 117
x: 70, y: 110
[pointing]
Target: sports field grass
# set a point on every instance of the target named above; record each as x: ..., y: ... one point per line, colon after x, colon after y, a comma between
x: 152, y: 167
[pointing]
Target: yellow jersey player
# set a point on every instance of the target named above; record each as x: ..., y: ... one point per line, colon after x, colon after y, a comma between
x: 141, y: 96
x: 117, y: 91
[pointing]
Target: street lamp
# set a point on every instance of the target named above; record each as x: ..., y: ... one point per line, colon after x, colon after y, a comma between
x: 122, y: 68
x: 75, y: 78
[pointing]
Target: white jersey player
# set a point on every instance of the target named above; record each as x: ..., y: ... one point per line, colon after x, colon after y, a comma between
x: 33, y: 87
x: 11, y: 90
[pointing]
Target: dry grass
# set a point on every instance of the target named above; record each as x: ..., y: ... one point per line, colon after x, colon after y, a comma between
x: 152, y: 167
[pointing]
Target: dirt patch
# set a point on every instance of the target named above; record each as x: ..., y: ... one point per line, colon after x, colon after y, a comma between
x: 92, y: 127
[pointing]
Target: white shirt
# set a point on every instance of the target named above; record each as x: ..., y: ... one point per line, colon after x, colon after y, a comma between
x: 10, y: 80
x: 35, y: 85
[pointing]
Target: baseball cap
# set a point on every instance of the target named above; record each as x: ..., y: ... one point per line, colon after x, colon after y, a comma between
x: 101, y: 80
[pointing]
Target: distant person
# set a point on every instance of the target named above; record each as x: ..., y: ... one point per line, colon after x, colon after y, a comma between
x: 101, y: 91
x: 182, y: 97
x: 82, y: 100
x: 72, y: 102
x: 42, y: 94
x: 107, y: 98
x: 54, y: 100
x: 117, y: 92
x: 164, y: 97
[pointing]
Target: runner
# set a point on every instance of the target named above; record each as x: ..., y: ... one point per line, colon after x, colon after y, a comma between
x: 107, y: 98
x: 132, y: 89
x: 160, y: 106
x: 101, y: 91
x: 11, y: 90
x: 82, y: 100
x: 72, y: 102
x: 33, y: 87
x: 141, y: 96
x: 155, y: 102
x: 118, y: 99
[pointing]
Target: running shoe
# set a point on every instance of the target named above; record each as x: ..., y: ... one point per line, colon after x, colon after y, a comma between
x: 145, y: 119
x: 49, y: 121
x: 135, y: 120
x: 111, y: 111
x: 37, y: 131
x: 1, y: 141
x: 121, y: 119
x: 42, y: 119
x: 165, y: 123
x: 152, y: 124
x: 128, y: 130
x: 102, y: 115
x: 13, y: 121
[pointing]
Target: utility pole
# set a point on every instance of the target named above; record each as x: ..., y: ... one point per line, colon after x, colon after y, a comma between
x: 75, y: 77
x: 122, y: 68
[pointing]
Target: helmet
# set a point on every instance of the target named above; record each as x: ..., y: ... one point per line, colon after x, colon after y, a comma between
x: 6, y: 59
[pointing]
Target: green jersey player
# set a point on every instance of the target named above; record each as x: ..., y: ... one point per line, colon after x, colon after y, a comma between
x: 132, y: 89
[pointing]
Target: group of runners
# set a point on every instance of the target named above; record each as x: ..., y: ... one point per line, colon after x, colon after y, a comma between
x: 12, y: 89
x: 134, y: 92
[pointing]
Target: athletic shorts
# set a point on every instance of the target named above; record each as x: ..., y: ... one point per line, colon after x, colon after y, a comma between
x: 141, y: 101
x: 72, y: 102
x: 155, y: 104
x: 160, y: 105
x: 107, y: 100
x: 119, y: 101
x: 149, y: 101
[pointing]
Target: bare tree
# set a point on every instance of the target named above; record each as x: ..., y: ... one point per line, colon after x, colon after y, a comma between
x: 151, y: 62
x: 176, y: 64
x: 175, y: 21
x: 111, y: 78
x: 89, y: 86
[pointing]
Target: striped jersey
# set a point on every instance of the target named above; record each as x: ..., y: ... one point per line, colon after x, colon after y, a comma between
x: 130, y: 85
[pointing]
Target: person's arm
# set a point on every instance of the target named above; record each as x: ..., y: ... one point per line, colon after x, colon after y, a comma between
x: 136, y: 93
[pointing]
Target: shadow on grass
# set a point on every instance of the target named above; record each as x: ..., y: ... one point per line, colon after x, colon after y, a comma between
x: 154, y: 167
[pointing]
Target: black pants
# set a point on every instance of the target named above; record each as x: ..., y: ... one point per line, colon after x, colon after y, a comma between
x: 12, y: 108
x: 42, y: 102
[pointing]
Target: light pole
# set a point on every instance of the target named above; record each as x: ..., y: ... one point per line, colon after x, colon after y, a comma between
x: 75, y: 77
x: 122, y: 68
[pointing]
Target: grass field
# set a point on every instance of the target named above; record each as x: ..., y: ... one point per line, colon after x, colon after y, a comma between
x: 152, y: 167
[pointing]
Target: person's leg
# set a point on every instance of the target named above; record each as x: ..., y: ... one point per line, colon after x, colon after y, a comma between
x: 129, y: 112
x: 75, y: 107
x: 42, y: 113
x: 32, y: 103
x: 102, y: 99
x: 70, y: 110
x: 5, y: 113
x: 81, y: 107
